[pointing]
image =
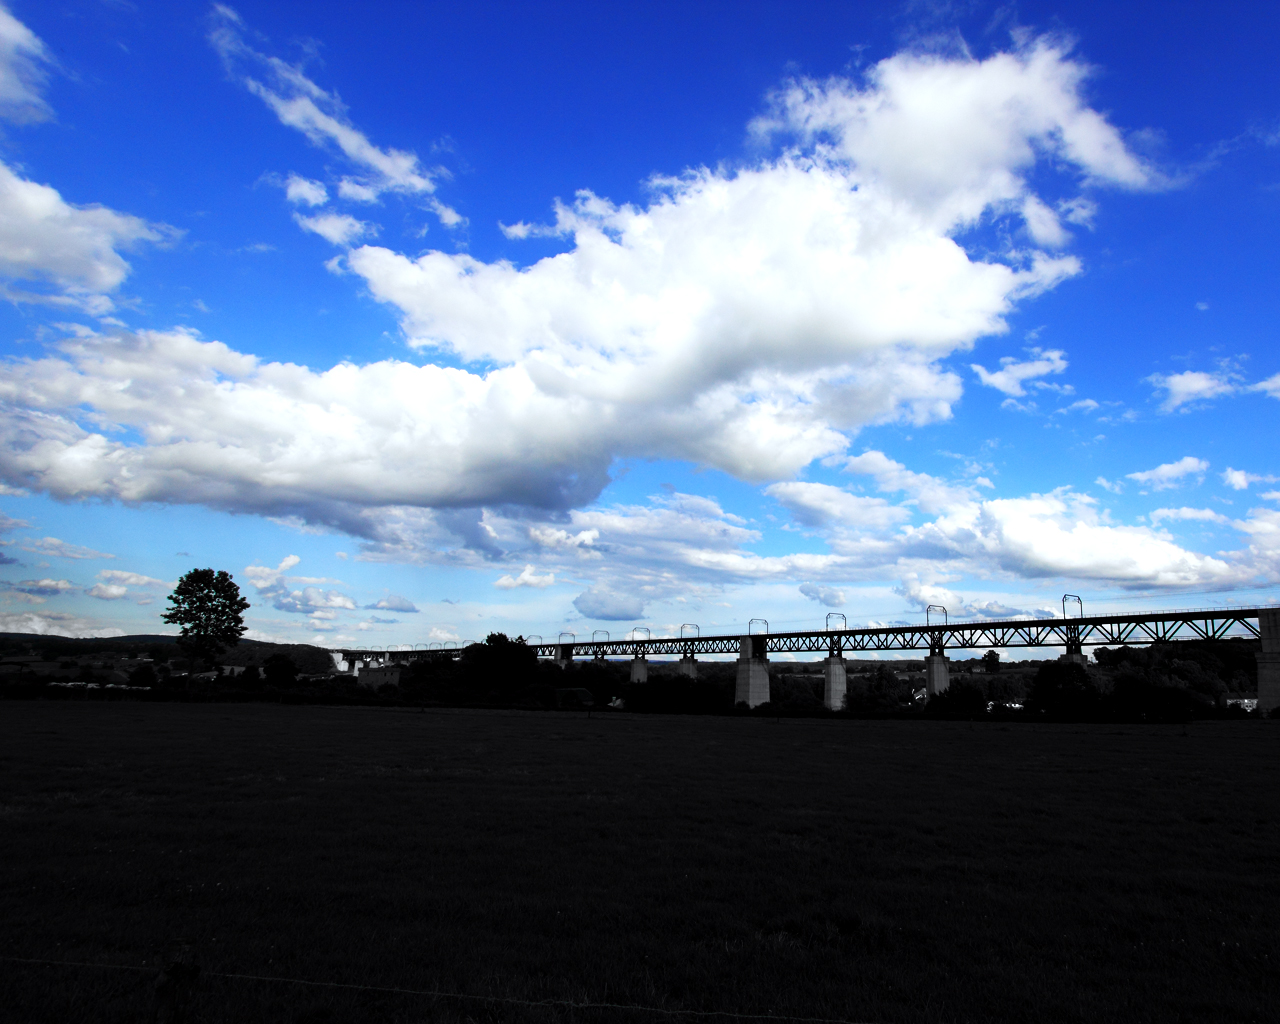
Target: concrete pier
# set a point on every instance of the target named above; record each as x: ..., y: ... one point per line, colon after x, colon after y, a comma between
x: 936, y: 676
x: 564, y: 655
x: 834, y: 683
x: 639, y: 669
x: 687, y: 667
x: 1269, y: 660
x: 753, y: 672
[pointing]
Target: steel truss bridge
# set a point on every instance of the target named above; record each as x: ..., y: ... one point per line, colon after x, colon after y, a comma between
x: 1070, y: 633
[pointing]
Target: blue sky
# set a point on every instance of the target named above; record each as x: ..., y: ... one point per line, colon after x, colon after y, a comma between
x: 431, y: 320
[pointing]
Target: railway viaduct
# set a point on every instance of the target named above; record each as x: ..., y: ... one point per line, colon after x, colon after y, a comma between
x: 1071, y: 634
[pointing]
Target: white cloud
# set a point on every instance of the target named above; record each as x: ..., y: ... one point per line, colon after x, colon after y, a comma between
x: 815, y: 504
x: 1239, y: 480
x: 1201, y: 515
x: 338, y: 228
x: 24, y: 60
x: 828, y: 596
x: 129, y: 579
x: 314, y: 601
x: 45, y: 587
x: 955, y: 136
x: 745, y: 320
x: 602, y: 603
x: 928, y: 492
x: 54, y: 624
x: 1189, y: 387
x: 1084, y: 405
x: 1114, y: 486
x: 70, y: 253
x: 1012, y: 373
x: 320, y: 115
x: 60, y: 548
x: 304, y: 191
x: 394, y: 603
x: 107, y: 591
x: 1170, y: 474
x: 528, y: 577
x: 1270, y: 386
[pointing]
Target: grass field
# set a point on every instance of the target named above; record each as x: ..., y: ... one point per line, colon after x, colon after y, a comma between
x: 856, y: 870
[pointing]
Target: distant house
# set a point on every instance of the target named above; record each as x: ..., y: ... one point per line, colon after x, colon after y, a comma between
x: 375, y: 677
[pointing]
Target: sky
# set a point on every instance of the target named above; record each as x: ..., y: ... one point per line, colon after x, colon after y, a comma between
x: 432, y: 320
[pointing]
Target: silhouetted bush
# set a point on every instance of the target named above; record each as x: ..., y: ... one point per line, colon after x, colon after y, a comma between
x: 878, y: 694
x: 1063, y: 691
x: 280, y: 672
x: 962, y: 699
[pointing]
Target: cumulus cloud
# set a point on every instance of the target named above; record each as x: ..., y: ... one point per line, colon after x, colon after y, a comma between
x: 815, y: 504
x: 60, y: 548
x: 274, y: 585
x: 54, y: 624
x: 393, y: 603
x: 24, y: 65
x: 528, y: 577
x: 928, y: 492
x: 129, y: 579
x: 1170, y: 474
x: 305, y: 192
x: 602, y: 603
x: 44, y: 587
x: 1200, y: 515
x: 747, y: 319
x: 338, y: 228
x: 1239, y: 480
x: 828, y: 596
x: 1013, y: 374
x: 70, y: 254
x: 1270, y: 386
x: 1190, y: 387
x: 108, y: 591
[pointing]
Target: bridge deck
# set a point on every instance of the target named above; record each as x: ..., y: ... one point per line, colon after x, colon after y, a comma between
x: 1094, y: 630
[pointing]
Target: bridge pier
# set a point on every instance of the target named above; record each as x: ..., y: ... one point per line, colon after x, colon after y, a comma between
x: 639, y: 669
x: 687, y: 666
x: 752, y: 686
x: 1269, y: 659
x: 936, y: 675
x: 834, y: 682
x: 563, y: 655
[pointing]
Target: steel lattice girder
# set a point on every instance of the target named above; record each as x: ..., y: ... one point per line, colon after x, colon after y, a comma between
x: 1089, y: 631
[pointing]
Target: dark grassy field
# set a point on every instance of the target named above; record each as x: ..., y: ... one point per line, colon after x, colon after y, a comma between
x: 861, y: 870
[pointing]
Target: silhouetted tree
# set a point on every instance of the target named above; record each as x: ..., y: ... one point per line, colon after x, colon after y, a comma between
x: 991, y: 662
x: 1064, y: 691
x: 209, y: 608
x: 280, y: 671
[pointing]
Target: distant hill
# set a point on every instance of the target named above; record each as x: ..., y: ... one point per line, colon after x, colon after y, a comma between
x: 307, y: 657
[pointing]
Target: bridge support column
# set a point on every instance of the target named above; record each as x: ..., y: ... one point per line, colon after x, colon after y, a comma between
x: 563, y: 655
x: 834, y: 682
x: 753, y: 672
x: 687, y: 667
x: 1269, y: 660
x: 936, y: 676
x: 639, y: 669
